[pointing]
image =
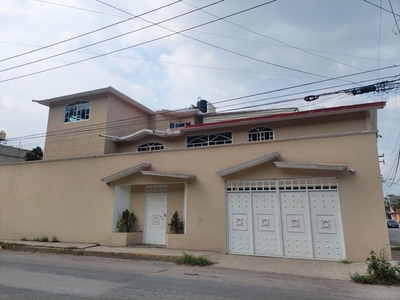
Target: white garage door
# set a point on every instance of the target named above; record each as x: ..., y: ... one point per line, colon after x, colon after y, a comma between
x: 293, y: 218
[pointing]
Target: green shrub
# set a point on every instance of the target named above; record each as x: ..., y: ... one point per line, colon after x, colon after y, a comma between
x: 41, y: 239
x: 176, y: 225
x: 379, y: 271
x: 345, y: 261
x: 23, y: 239
x: 126, y: 222
x: 55, y: 240
x: 191, y: 260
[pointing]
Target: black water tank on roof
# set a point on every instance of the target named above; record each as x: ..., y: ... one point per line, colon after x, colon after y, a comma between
x: 202, y: 106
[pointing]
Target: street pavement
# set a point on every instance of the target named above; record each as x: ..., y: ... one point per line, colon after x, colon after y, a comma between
x: 304, y: 267
x: 34, y: 276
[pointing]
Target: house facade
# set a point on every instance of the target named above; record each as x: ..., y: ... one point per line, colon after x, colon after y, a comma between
x: 394, y: 210
x: 284, y: 183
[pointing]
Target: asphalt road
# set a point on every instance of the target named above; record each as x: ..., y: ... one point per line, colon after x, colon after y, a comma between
x: 50, y: 276
x: 394, y: 235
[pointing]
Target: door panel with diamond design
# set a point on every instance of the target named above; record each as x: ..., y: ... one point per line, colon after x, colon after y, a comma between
x: 298, y: 218
x: 296, y: 227
x: 327, y: 225
x: 240, y: 229
x: 267, y: 236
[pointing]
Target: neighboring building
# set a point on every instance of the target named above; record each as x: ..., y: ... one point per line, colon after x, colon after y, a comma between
x: 9, y: 154
x: 394, y: 211
x: 283, y: 183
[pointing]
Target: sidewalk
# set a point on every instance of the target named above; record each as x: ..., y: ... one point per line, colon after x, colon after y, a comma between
x: 304, y: 267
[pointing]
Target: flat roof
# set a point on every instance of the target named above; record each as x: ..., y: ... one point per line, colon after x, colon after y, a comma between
x: 288, y: 116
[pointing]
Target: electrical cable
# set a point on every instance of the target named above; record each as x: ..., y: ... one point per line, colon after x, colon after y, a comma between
x: 221, y: 48
x: 307, y: 84
x: 87, y: 33
x: 142, y: 120
x: 394, y: 17
x: 105, y: 40
x: 153, y: 40
x: 79, y: 8
x: 381, y: 7
x: 276, y: 40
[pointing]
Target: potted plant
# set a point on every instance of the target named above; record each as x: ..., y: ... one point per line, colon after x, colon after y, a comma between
x: 126, y: 221
x: 176, y: 225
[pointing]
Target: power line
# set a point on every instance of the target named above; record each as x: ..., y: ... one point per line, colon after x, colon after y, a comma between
x: 394, y: 17
x: 307, y: 84
x: 164, y: 62
x: 143, y: 120
x: 221, y: 48
x: 276, y: 40
x: 107, y: 53
x: 87, y: 33
x: 381, y: 8
x: 79, y: 8
x: 163, y: 37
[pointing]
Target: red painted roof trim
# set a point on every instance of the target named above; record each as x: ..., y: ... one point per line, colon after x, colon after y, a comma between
x: 293, y: 115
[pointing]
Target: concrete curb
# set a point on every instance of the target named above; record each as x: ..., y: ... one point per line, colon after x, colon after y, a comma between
x: 82, y: 252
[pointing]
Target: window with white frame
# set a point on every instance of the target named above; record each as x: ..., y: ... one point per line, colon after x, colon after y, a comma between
x: 178, y: 125
x: 209, y: 139
x: 150, y: 147
x: 261, y: 134
x: 77, y: 111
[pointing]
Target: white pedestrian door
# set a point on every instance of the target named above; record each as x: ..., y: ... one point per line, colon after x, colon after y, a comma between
x: 156, y: 213
x: 293, y: 218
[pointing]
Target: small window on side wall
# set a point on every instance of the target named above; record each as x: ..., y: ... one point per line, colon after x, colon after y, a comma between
x: 261, y: 134
x: 77, y: 111
x: 150, y: 147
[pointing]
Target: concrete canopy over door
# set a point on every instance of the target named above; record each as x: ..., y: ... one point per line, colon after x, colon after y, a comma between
x: 293, y: 218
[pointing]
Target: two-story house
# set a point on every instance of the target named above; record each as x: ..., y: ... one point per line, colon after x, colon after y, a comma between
x: 284, y: 183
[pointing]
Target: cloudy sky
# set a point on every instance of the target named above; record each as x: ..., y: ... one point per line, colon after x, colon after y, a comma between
x: 271, y: 46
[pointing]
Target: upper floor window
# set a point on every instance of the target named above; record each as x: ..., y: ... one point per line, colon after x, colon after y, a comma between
x: 261, y: 134
x: 177, y: 125
x: 209, y: 139
x: 77, y: 111
x: 150, y: 147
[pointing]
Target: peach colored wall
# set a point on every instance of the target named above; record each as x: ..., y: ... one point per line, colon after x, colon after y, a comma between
x: 84, y: 141
x: 161, y: 121
x: 298, y: 128
x: 138, y: 202
x: 65, y: 198
x: 131, y: 119
x: 169, y: 143
x: 123, y: 119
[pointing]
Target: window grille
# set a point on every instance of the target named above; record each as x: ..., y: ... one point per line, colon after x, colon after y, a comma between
x: 150, y: 147
x: 282, y: 185
x: 261, y: 134
x: 156, y: 189
x: 209, y: 139
x: 77, y: 111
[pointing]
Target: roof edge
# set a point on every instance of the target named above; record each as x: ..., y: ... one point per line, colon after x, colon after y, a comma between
x: 107, y: 90
x: 288, y: 116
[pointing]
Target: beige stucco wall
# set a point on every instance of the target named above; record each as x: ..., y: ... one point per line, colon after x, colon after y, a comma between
x: 122, y: 119
x: 65, y: 198
x: 76, y: 138
x: 161, y: 121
